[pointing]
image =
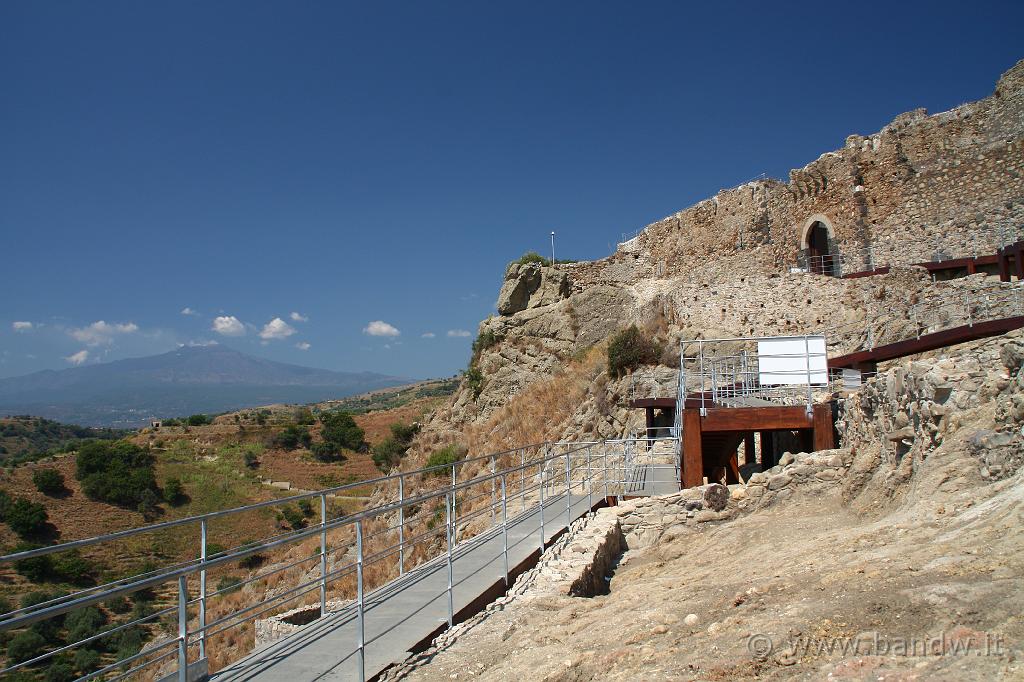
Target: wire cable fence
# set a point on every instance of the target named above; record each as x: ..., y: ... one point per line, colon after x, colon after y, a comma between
x: 420, y: 521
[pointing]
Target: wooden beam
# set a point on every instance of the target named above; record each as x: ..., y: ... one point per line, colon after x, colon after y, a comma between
x: 692, y: 471
x: 756, y: 419
x: 823, y: 427
x: 941, y: 339
x: 653, y: 402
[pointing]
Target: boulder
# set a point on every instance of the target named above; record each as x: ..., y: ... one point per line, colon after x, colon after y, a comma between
x: 531, y: 286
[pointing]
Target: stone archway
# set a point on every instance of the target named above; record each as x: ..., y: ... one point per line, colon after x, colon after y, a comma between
x: 817, y: 241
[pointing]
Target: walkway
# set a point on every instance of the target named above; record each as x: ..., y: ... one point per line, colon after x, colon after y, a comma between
x: 411, y: 609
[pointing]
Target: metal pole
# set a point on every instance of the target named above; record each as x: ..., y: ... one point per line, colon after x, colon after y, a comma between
x: 625, y: 473
x: 604, y: 469
x: 448, y: 508
x: 522, y: 479
x: 359, y: 601
x: 401, y: 525
x: 494, y: 493
x: 967, y: 298
x: 182, y: 629
x: 504, y: 527
x: 202, y: 590
x: 541, y: 467
x: 455, y: 510
x: 590, y: 479
x: 807, y: 365
x: 323, y: 555
x: 568, y: 490
x: 552, y: 248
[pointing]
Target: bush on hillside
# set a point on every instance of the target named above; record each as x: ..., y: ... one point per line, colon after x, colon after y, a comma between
x: 199, y: 420
x: 293, y: 437
x: 474, y: 380
x: 48, y: 481
x: 119, y: 473
x: 174, y: 491
x: 304, y: 417
x: 446, y: 455
x: 28, y: 519
x: 326, y: 451
x: 24, y: 646
x: 388, y: 453
x: 532, y: 257
x: 64, y: 567
x: 341, y: 428
x: 629, y: 349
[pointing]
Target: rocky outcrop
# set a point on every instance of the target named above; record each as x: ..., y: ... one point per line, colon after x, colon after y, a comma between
x: 531, y: 285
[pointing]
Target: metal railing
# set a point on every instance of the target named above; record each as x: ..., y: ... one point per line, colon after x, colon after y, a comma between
x: 736, y: 372
x: 474, y: 497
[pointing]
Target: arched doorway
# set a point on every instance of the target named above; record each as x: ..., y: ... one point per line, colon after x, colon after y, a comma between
x: 817, y: 241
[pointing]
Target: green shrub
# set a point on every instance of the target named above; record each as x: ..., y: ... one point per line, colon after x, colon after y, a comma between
x: 484, y: 340
x: 326, y: 451
x: 446, y: 455
x: 59, y: 671
x: 129, y: 643
x: 86, y: 660
x: 532, y: 257
x: 84, y: 622
x: 24, y: 646
x: 229, y: 584
x: 341, y: 428
x: 67, y: 567
x: 474, y: 380
x: 293, y: 437
x: 5, y: 504
x: 251, y: 459
x: 199, y: 420
x: 148, y: 501
x: 294, y: 517
x: 174, y: 491
x: 304, y: 417
x: 404, y: 433
x: 28, y: 519
x: 48, y: 481
x: 629, y: 349
x: 387, y: 454
x: 306, y: 507
x: 119, y: 473
x: 118, y: 605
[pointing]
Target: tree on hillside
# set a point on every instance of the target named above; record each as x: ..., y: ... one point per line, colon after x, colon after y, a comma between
x: 48, y: 481
x: 341, y: 428
x: 119, y: 473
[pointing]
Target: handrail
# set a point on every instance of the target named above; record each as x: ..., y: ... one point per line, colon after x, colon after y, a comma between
x: 538, y: 456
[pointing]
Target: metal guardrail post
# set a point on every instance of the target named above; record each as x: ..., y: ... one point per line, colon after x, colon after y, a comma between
x: 182, y: 629
x: 604, y: 469
x: 202, y: 589
x: 360, y: 606
x: 323, y: 555
x: 448, y: 505
x: 455, y: 510
x: 504, y: 527
x: 807, y: 365
x: 590, y: 479
x: 494, y: 493
x: 568, y: 490
x: 401, y: 525
x: 541, y: 467
x: 522, y: 479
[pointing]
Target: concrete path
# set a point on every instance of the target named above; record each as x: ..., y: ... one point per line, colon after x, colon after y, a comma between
x: 405, y: 611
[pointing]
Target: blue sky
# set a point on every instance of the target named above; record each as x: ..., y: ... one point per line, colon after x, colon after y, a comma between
x: 363, y: 162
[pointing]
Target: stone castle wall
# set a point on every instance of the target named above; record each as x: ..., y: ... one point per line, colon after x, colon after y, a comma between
x: 951, y: 183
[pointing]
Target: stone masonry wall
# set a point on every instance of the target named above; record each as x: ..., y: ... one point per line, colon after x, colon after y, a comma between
x: 950, y: 182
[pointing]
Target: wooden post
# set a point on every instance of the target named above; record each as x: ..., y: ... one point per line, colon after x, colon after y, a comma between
x: 972, y: 266
x: 1018, y: 262
x: 1003, y: 256
x: 823, y: 437
x: 692, y: 471
x: 649, y: 413
x: 806, y: 440
x: 767, y: 450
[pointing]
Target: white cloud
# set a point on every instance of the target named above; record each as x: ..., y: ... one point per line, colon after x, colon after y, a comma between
x: 428, y: 335
x: 188, y: 311
x: 228, y: 325
x: 381, y: 328
x: 78, y: 358
x: 303, y: 345
x: 276, y: 329
x: 458, y: 333
x: 100, y: 333
x: 22, y: 326
x: 299, y: 317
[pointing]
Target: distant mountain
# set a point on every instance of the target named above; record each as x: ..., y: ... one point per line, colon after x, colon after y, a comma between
x: 185, y: 381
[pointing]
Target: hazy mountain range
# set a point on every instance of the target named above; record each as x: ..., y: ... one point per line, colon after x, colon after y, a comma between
x: 185, y: 381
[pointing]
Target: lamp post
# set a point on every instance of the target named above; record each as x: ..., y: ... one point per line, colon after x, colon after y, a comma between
x: 552, y: 247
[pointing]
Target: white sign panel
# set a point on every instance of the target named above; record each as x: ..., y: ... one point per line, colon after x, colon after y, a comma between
x: 792, y: 360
